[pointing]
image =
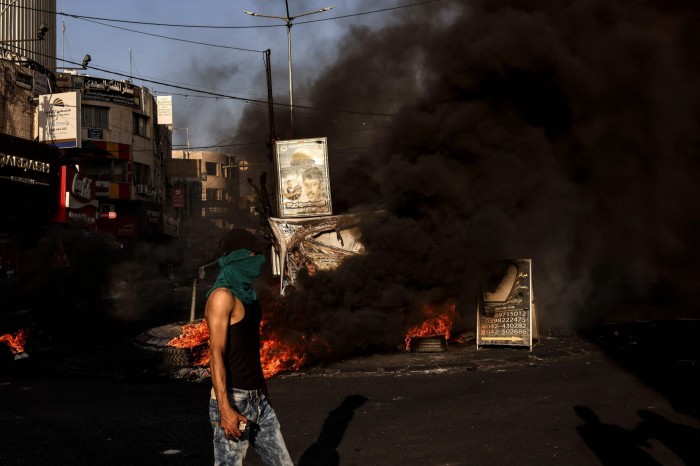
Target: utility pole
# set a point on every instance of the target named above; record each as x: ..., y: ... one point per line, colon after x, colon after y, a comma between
x: 288, y: 21
x: 270, y: 104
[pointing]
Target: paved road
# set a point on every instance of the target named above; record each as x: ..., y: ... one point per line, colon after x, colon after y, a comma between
x: 620, y: 394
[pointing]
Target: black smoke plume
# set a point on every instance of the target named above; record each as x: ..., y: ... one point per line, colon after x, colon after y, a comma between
x: 562, y: 131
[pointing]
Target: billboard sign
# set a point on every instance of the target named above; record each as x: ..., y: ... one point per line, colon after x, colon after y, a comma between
x: 165, y: 109
x: 303, y: 183
x: 59, y: 119
x: 506, y: 315
x: 108, y: 90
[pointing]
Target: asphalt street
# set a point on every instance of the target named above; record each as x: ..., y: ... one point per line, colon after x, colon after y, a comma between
x: 615, y: 394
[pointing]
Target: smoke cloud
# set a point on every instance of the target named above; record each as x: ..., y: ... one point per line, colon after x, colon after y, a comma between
x: 558, y: 131
x: 467, y: 132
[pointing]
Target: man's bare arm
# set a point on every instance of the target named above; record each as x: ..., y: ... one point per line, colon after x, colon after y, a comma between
x: 218, y: 312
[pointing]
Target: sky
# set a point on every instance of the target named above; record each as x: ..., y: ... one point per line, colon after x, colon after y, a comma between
x: 218, y: 67
x: 467, y: 133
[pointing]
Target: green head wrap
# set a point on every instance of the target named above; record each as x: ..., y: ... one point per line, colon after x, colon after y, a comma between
x: 238, y: 270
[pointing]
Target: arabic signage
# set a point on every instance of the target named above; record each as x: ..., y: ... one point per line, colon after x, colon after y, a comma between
x: 506, y: 315
x: 303, y: 184
x: 108, y: 90
x: 121, y: 227
x: 59, y: 119
x: 177, y: 197
x: 95, y: 133
x: 165, y: 109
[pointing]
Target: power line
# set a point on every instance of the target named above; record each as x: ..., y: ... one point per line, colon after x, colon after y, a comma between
x: 156, y: 91
x: 366, y: 12
x: 246, y: 99
x: 223, y: 96
x: 94, y: 20
x: 148, y: 23
x: 172, y: 38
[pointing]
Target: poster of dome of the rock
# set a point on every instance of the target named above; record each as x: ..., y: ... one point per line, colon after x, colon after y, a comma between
x: 302, y: 177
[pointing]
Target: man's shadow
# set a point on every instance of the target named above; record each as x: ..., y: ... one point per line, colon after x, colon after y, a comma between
x: 680, y: 439
x: 612, y: 444
x: 325, y: 450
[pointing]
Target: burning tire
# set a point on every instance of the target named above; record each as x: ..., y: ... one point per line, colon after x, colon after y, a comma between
x: 436, y: 344
x: 179, y: 357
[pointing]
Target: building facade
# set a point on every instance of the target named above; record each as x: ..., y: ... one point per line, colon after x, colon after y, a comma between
x: 110, y: 181
x: 28, y: 29
x: 217, y: 185
x: 123, y: 149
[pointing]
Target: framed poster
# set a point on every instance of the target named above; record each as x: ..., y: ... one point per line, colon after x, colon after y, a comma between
x: 506, y: 315
x: 303, y: 184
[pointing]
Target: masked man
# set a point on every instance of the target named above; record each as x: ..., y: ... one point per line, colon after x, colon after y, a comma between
x: 239, y: 408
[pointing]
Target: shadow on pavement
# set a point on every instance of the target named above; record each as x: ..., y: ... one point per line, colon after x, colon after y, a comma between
x: 612, y: 444
x: 680, y: 439
x: 325, y: 450
x: 664, y: 355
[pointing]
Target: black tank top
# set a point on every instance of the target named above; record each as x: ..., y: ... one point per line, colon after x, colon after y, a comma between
x: 242, y: 353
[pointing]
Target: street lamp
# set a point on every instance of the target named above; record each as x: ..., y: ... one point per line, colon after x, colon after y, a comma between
x: 86, y: 59
x: 40, y: 35
x: 43, y: 29
x: 288, y: 21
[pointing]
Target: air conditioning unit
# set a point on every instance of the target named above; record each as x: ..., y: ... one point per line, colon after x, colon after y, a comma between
x: 141, y: 189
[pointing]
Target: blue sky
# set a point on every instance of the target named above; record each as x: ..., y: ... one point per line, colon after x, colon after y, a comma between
x: 115, y: 46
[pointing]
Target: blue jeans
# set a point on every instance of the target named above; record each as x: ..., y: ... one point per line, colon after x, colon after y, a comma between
x: 266, y: 436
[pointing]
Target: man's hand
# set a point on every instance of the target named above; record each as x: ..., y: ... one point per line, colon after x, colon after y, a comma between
x: 230, y: 423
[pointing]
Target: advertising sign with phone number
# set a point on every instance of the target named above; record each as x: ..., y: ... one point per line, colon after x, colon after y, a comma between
x: 506, y: 315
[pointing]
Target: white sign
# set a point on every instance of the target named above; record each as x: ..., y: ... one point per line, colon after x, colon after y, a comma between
x: 165, y: 109
x: 506, y: 315
x: 59, y: 119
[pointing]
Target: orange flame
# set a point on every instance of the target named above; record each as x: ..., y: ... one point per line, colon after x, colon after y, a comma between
x: 193, y: 334
x: 437, y: 323
x: 15, y: 342
x: 276, y: 355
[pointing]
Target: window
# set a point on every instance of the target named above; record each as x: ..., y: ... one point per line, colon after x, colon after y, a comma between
x: 140, y: 125
x: 141, y: 173
x: 95, y: 117
x: 214, y: 194
x: 106, y: 170
x: 211, y: 168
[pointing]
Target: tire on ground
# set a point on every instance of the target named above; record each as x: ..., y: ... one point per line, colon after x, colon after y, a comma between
x: 436, y: 344
x: 177, y: 356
